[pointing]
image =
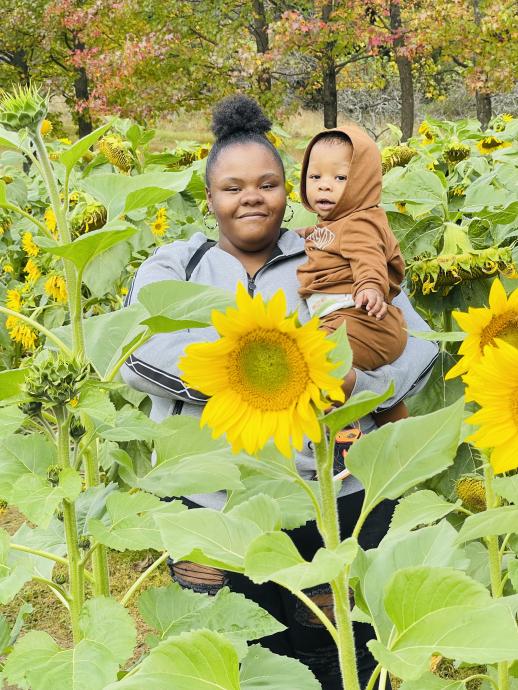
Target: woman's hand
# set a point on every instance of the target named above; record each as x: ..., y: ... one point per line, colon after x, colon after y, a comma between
x: 373, y: 302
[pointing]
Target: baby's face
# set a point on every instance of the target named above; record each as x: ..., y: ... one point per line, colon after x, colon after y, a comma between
x: 326, y: 176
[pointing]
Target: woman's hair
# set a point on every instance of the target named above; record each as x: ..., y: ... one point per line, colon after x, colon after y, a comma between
x: 238, y: 119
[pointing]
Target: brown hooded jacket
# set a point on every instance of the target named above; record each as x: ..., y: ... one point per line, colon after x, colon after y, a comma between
x: 354, y: 248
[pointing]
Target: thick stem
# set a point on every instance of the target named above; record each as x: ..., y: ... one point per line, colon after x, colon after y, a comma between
x: 76, y: 316
x: 339, y: 586
x: 495, y: 565
x: 75, y: 571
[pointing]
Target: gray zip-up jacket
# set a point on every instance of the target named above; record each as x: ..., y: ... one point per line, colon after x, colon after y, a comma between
x: 153, y: 368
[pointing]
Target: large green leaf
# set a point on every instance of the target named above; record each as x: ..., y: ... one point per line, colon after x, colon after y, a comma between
x: 199, y: 660
x: 396, y: 457
x: 433, y: 546
x: 116, y: 191
x: 86, y: 247
x: 11, y: 382
x: 13, y: 576
x: 443, y: 610
x: 103, y: 271
x: 129, y: 424
x: 50, y: 539
x: 70, y: 157
x: 356, y: 407
x: 173, y: 610
x: 181, y: 300
x: 274, y: 556
x: 294, y: 503
x: 416, y: 186
x: 109, y: 637
x: 263, y: 670
x: 507, y: 487
x: 502, y: 520
x: 23, y: 477
x: 420, y: 508
x: 128, y: 522
x: 9, y: 140
x: 218, y: 539
x: 11, y: 418
x: 188, y: 460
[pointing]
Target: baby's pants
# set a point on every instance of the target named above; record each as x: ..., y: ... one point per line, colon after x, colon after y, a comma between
x: 374, y: 342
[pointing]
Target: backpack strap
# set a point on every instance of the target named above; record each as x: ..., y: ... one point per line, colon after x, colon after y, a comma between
x: 197, y: 256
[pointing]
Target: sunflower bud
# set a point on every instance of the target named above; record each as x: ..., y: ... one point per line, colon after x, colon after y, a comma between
x: 59, y: 514
x: 76, y: 429
x: 391, y: 156
x: 470, y: 489
x: 115, y: 150
x: 54, y: 379
x: 53, y: 472
x: 60, y: 578
x: 25, y: 108
x: 83, y: 542
x: 456, y: 152
x: 30, y: 408
x: 87, y: 217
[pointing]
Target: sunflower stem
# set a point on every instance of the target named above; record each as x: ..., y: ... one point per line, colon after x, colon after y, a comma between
x: 495, y: 564
x: 339, y: 586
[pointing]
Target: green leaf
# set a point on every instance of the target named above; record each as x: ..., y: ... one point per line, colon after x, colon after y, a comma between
x: 11, y: 382
x: 103, y: 270
x: 188, y: 460
x: 13, y: 576
x: 184, y: 301
x: 503, y: 520
x: 91, y: 504
x: 8, y: 635
x: 356, y: 407
x: 130, y: 424
x: 115, y: 191
x: 396, y: 457
x: 431, y: 682
x: 39, y: 663
x: 50, y: 539
x: 173, y: 610
x: 439, y: 336
x: 9, y: 140
x: 416, y: 186
x: 70, y: 157
x: 433, y: 546
x: 261, y: 669
x: 38, y: 500
x: 294, y: 503
x: 218, y: 539
x: 420, y: 508
x: 507, y: 487
x: 341, y: 354
x: 199, y: 660
x: 440, y: 610
x: 11, y: 418
x: 129, y: 521
x: 273, y: 556
x: 86, y: 247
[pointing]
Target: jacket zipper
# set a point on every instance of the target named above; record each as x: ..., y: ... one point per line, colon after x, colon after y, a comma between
x: 251, y: 286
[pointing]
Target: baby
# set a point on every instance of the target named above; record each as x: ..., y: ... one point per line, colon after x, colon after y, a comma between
x: 354, y: 267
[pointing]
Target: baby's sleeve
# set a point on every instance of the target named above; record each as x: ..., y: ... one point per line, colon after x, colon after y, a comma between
x: 363, y: 245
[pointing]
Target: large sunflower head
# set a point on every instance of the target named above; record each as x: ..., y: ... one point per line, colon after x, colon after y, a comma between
x: 484, y: 325
x: 493, y: 384
x: 266, y: 375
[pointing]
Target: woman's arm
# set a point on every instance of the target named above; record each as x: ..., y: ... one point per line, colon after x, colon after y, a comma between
x: 411, y: 370
x: 153, y: 368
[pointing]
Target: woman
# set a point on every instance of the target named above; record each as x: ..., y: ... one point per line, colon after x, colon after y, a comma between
x: 245, y: 185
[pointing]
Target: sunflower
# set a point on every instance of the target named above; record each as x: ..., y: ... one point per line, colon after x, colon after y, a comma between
x: 160, y: 225
x: 489, y: 144
x: 493, y: 384
x: 32, y: 270
x: 56, y: 288
x: 28, y: 245
x: 50, y: 221
x: 14, y: 300
x: 483, y: 325
x: 264, y: 376
x: 21, y: 332
x: 46, y: 127
x: 427, y: 132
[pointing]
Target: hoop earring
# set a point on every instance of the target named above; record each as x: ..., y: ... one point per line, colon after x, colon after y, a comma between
x: 291, y: 211
x: 208, y: 225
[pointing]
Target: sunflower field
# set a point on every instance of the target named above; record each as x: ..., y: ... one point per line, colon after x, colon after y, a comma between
x: 85, y: 467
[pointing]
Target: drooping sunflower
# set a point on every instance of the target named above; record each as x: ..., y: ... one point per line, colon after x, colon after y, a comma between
x: 484, y: 324
x: 489, y: 144
x: 28, y: 245
x: 493, y: 384
x: 265, y: 375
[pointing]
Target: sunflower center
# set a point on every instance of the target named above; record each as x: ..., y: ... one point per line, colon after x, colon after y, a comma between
x: 268, y: 370
x: 504, y: 326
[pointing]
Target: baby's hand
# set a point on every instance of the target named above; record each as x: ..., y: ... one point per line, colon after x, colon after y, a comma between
x: 373, y: 302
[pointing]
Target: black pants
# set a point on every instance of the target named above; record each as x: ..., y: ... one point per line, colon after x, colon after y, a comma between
x: 305, y: 638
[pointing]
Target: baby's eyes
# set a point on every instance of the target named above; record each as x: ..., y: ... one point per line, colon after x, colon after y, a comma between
x: 341, y: 178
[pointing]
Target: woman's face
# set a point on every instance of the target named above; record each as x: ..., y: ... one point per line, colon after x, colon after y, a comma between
x: 248, y: 197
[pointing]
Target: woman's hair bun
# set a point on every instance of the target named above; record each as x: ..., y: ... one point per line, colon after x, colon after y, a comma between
x: 239, y: 114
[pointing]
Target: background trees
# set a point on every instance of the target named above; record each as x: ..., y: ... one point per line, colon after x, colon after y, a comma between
x: 145, y: 58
